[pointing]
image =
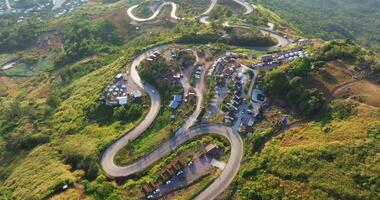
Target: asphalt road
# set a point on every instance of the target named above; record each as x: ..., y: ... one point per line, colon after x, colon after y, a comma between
x: 211, y: 7
x: 181, y: 137
x: 107, y: 161
x: 281, y: 40
x: 155, y: 14
x: 203, y: 18
x: 249, y: 8
x: 184, y: 134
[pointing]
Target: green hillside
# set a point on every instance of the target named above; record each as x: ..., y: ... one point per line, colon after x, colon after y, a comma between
x: 328, y: 19
x: 55, y: 126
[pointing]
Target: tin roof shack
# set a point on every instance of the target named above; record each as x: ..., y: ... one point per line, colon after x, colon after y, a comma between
x: 154, y: 56
x: 174, y: 105
x: 267, y: 58
x: 212, y: 150
x: 228, y: 71
x: 119, y: 76
x: 177, y: 100
x: 247, y: 123
x: 137, y: 94
x: 149, y: 187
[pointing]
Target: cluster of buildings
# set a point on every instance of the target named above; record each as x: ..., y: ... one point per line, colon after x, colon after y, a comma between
x: 250, y: 116
x: 179, y: 174
x: 60, y: 7
x: 152, y: 188
x: 233, y: 107
x: 227, y: 70
x: 68, y: 7
x: 226, y: 66
x: 117, y: 92
x: 271, y: 61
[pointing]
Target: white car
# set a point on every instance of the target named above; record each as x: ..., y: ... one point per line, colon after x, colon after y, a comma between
x: 154, y: 92
x: 168, y: 182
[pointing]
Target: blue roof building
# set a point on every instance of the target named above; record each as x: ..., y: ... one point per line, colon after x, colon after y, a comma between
x: 174, y: 104
x: 177, y: 98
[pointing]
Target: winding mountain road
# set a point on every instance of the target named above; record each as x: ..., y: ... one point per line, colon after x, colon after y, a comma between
x: 185, y: 133
x: 249, y: 8
x: 281, y: 40
x: 107, y: 161
x: 155, y: 14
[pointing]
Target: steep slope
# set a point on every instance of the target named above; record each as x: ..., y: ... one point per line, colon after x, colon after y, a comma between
x: 330, y: 19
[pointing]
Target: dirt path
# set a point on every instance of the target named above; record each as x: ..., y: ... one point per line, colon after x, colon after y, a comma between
x: 330, y: 97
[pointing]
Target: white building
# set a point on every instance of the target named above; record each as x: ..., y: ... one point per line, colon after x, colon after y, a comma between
x: 122, y: 100
x: 137, y: 94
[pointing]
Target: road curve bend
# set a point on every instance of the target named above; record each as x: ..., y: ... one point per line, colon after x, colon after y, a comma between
x: 181, y: 137
x: 281, y: 40
x: 155, y: 14
x: 185, y: 133
x: 249, y: 8
x: 107, y: 161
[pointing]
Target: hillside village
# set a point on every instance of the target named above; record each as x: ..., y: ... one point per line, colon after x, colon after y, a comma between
x: 187, y: 99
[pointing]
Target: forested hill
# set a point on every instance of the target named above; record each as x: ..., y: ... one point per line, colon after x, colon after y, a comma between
x: 354, y: 19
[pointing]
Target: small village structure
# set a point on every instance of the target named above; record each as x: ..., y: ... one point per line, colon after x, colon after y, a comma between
x: 118, y: 94
x: 176, y: 102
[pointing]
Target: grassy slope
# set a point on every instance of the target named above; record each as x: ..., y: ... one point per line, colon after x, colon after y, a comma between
x: 330, y: 19
x: 341, y: 161
x: 69, y: 129
x: 69, y: 126
x: 38, y: 175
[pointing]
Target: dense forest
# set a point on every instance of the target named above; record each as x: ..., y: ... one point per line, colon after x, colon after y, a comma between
x: 328, y: 19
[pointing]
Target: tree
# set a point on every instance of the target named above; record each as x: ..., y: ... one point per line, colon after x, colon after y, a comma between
x: 53, y: 100
x: 106, y: 31
x: 134, y: 112
x: 276, y: 83
x: 101, y: 189
x: 312, y: 100
x: 300, y: 67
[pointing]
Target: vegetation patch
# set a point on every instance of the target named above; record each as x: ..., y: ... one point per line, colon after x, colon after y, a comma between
x: 186, y: 152
x: 332, y: 19
x: 39, y: 175
x: 339, y: 163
